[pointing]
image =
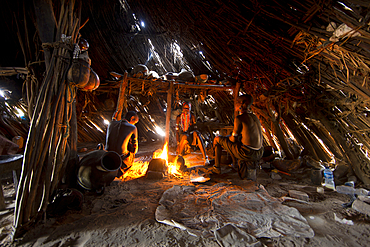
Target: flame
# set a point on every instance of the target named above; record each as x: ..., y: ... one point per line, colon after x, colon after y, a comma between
x: 139, y: 168
x: 172, y: 168
x: 162, y: 154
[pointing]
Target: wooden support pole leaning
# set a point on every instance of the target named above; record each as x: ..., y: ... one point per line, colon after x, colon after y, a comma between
x: 121, y: 98
x: 2, y: 200
x: 236, y: 94
x: 168, y: 113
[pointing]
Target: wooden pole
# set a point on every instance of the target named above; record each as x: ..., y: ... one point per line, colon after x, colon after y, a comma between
x: 2, y: 200
x: 236, y: 94
x: 121, y: 98
x: 168, y: 113
x: 46, y: 25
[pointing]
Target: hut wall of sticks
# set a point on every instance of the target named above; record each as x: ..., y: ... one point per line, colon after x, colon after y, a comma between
x: 306, y: 63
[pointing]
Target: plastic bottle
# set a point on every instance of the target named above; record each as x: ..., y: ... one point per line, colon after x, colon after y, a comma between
x: 343, y: 189
x: 352, y: 191
x: 329, y: 178
x: 362, y: 192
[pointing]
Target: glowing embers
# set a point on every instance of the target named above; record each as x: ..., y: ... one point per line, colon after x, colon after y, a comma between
x: 162, y: 165
x: 138, y: 169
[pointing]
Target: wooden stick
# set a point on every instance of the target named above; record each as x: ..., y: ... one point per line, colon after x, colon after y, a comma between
x: 168, y: 114
x: 236, y: 94
x: 121, y: 98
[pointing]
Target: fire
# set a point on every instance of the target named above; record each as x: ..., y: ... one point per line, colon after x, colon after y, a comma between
x: 172, y: 168
x: 162, y: 154
x: 139, y: 168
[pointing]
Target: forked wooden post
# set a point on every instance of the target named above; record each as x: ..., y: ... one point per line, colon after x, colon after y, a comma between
x: 121, y: 98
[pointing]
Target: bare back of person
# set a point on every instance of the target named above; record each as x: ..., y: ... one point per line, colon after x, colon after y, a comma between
x: 249, y: 126
x: 118, y: 136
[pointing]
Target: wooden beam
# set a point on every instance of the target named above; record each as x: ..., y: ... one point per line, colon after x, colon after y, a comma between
x: 204, y: 86
x: 9, y: 71
x: 160, y: 82
x: 166, y: 84
x: 168, y: 113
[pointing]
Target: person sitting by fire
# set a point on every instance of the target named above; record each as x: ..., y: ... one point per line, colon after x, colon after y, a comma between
x: 186, y: 133
x: 122, y: 137
x: 246, y: 141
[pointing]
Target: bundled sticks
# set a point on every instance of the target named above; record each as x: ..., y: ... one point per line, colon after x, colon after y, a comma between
x: 46, y: 149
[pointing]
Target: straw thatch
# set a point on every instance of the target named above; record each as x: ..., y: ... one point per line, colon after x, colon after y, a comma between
x: 306, y: 63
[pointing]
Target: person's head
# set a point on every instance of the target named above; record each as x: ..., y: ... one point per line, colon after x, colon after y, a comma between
x: 243, y: 102
x: 132, y: 117
x: 186, y: 107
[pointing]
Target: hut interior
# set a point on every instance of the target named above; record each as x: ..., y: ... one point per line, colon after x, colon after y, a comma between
x: 68, y: 67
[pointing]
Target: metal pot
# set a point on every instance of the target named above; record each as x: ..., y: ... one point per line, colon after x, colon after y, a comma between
x: 98, y: 169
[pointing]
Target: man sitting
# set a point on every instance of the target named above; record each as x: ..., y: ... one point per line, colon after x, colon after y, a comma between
x: 186, y: 133
x: 245, y: 143
x: 122, y: 138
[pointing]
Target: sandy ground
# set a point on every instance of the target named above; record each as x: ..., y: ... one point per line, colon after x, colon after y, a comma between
x: 125, y: 214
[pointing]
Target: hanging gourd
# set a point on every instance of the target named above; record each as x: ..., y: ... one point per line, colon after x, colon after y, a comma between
x: 80, y: 70
x: 93, y: 83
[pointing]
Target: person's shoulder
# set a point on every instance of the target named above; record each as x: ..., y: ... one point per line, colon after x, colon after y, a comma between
x: 245, y: 116
x: 130, y: 127
x: 118, y: 121
x: 113, y: 122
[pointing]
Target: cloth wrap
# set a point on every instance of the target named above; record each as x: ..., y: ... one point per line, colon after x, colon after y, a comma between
x: 233, y: 215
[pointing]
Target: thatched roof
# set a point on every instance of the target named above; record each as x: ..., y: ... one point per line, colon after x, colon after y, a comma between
x: 306, y: 63
x: 291, y: 57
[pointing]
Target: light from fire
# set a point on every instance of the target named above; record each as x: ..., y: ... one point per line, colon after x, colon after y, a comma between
x: 139, y: 168
x: 160, y: 131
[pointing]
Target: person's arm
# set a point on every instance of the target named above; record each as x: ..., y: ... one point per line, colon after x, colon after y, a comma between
x: 135, y: 141
x: 236, y: 130
x: 193, y: 124
x: 132, y: 145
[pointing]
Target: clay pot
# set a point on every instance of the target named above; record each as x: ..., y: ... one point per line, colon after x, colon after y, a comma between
x: 186, y: 76
x: 170, y: 76
x: 98, y: 169
x: 203, y: 78
x: 109, y: 104
x: 140, y: 68
x: 157, y: 165
x: 156, y: 169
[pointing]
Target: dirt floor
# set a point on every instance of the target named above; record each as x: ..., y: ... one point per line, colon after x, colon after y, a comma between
x: 124, y: 215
